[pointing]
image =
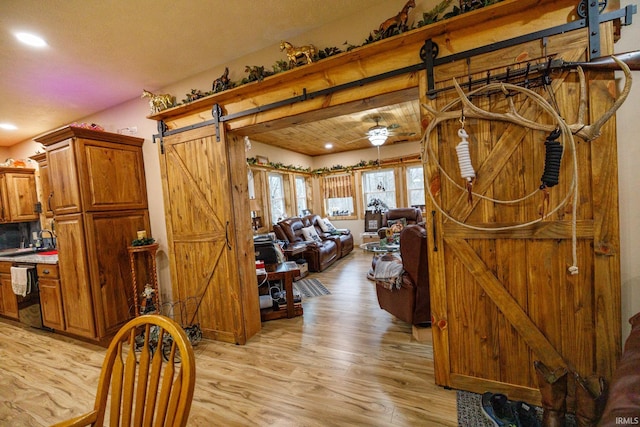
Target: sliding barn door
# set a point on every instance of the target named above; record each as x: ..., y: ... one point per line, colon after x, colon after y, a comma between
x: 502, y: 294
x: 213, y: 281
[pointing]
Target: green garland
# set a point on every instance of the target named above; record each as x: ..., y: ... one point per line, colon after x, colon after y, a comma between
x: 258, y: 73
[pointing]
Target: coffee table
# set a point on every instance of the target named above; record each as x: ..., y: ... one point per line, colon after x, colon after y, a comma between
x: 378, y: 249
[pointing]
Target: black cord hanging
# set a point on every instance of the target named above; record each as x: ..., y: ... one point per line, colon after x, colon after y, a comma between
x: 553, y: 157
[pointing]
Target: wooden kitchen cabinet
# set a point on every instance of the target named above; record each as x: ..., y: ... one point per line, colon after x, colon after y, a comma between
x: 50, y: 296
x: 44, y: 191
x: 94, y: 171
x: 18, y: 195
x: 8, y: 299
x: 99, y: 203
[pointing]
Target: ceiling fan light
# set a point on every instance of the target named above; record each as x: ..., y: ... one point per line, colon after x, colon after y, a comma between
x: 377, y: 139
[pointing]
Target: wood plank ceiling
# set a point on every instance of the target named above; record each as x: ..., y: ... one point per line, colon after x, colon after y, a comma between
x: 347, y: 132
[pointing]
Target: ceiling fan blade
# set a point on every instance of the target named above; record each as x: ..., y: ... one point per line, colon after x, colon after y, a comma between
x: 393, y: 126
x: 402, y: 133
x: 355, y: 140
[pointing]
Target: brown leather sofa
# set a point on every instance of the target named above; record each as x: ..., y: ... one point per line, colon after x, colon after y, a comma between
x: 623, y: 403
x: 411, y: 302
x: 343, y: 238
x: 411, y: 215
x: 320, y: 254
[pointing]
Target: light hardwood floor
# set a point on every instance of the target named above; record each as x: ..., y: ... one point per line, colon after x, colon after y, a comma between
x: 345, y: 362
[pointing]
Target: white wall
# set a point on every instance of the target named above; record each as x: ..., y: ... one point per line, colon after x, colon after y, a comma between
x: 628, y: 126
x: 354, y: 30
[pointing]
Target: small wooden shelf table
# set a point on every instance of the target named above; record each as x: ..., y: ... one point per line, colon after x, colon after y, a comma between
x: 285, y: 272
x: 149, y: 251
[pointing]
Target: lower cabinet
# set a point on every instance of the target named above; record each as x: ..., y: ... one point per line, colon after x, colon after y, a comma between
x: 95, y: 280
x: 50, y: 297
x: 8, y: 299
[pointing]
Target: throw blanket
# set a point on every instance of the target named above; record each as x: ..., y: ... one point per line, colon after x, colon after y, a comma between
x: 388, y: 272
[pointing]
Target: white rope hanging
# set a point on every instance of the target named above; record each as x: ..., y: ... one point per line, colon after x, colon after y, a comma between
x: 464, y: 157
x: 464, y: 160
x: 572, y: 192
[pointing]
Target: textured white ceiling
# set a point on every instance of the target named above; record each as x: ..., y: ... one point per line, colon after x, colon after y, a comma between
x: 102, y: 53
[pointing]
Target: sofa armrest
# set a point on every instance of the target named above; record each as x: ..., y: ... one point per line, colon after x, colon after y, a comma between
x: 624, y: 390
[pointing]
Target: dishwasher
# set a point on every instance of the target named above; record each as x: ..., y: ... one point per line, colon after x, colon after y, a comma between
x: 29, y: 311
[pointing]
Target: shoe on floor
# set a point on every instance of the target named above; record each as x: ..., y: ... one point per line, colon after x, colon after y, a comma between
x: 498, y: 409
x: 527, y: 415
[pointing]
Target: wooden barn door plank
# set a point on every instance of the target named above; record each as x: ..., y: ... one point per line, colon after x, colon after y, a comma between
x: 508, y: 306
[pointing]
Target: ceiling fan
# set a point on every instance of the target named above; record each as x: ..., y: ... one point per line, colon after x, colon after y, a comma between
x: 378, y: 134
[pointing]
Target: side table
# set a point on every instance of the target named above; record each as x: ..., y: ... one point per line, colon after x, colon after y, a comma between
x: 291, y: 253
x: 149, y: 252
x: 285, y: 272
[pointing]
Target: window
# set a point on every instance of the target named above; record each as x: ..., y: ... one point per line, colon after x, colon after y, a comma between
x: 381, y: 185
x: 338, y: 195
x: 276, y: 197
x: 301, y: 195
x: 415, y: 186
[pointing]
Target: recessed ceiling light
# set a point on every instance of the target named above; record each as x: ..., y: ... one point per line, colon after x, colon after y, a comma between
x: 31, y: 39
x: 8, y: 126
x: 328, y: 146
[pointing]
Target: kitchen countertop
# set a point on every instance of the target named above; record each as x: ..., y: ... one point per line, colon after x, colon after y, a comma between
x: 31, y: 258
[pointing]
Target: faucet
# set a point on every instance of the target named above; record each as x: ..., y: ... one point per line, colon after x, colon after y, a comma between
x: 52, y: 237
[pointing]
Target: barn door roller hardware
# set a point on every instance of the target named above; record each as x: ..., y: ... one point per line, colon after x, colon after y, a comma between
x: 590, y: 15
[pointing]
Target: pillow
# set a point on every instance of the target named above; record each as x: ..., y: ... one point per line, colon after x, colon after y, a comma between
x: 310, y: 234
x: 326, y: 226
x: 402, y: 221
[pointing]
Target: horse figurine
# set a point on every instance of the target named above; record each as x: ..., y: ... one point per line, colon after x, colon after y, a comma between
x: 222, y: 82
x: 295, y: 54
x: 158, y: 103
x: 397, y: 22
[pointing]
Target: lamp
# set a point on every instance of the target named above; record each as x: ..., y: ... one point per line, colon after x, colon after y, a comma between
x: 378, y: 135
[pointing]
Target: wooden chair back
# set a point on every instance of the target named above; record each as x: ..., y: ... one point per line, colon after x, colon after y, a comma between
x: 147, y: 379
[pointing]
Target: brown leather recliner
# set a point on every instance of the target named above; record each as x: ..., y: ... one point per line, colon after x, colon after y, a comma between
x: 411, y: 215
x: 319, y: 255
x: 411, y: 302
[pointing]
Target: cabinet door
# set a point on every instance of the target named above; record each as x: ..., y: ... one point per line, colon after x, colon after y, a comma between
x: 63, y: 175
x: 108, y: 235
x: 50, y: 296
x: 45, y: 185
x: 4, y: 213
x: 74, y: 276
x: 21, y: 196
x: 112, y: 176
x: 9, y: 298
x: 51, y: 304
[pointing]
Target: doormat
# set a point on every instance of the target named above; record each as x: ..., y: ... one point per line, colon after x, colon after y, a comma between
x: 310, y: 288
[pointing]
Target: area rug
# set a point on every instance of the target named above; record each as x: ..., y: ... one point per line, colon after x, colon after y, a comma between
x: 310, y: 288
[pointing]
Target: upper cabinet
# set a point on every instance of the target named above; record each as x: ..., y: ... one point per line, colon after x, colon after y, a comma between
x: 18, y: 196
x: 45, y: 193
x: 84, y: 167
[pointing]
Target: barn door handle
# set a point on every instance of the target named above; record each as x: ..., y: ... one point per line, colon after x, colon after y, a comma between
x: 226, y: 235
x: 433, y: 231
